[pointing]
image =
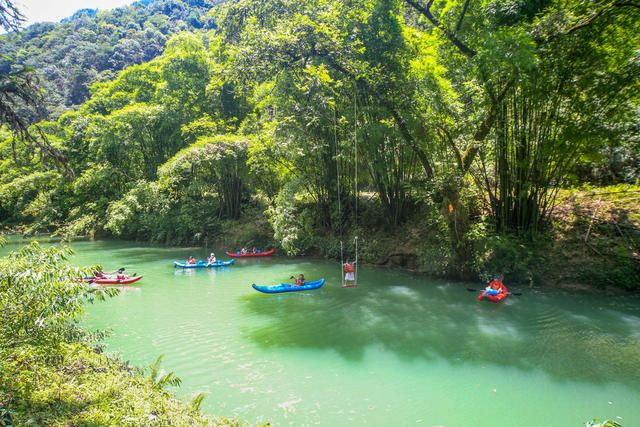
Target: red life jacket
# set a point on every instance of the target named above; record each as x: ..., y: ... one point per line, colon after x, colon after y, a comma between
x: 498, y: 286
x: 348, y: 268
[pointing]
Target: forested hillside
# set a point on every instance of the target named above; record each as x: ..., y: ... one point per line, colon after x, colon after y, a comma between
x: 93, y: 46
x: 438, y: 132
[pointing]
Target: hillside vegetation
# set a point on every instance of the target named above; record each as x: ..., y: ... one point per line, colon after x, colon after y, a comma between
x: 93, y: 46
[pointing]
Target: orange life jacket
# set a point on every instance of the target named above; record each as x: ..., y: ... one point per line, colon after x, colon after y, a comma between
x: 348, y: 268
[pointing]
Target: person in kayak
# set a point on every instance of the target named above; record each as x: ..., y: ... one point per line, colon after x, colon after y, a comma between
x: 300, y: 281
x: 212, y: 259
x: 243, y: 251
x: 191, y: 260
x: 254, y: 250
x: 497, y: 285
x: 349, y: 271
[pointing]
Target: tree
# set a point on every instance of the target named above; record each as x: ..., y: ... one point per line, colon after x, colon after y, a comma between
x: 19, y: 88
x: 10, y: 17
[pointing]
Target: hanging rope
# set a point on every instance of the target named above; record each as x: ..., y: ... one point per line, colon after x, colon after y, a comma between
x: 335, y: 139
x: 355, y: 144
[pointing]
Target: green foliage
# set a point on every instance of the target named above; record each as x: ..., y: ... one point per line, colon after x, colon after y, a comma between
x: 40, y: 295
x: 161, y: 379
x: 196, y: 189
x: 513, y: 258
x: 196, y: 401
x: 49, y: 373
x: 285, y: 220
x: 20, y: 199
x: 75, y: 384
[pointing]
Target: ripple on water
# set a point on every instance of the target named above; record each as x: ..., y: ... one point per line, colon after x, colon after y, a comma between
x: 404, y: 291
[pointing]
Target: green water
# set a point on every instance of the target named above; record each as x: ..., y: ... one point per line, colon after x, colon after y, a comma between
x: 399, y: 349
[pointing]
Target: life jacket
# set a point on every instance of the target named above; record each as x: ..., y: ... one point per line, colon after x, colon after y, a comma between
x: 499, y: 287
x: 348, y: 268
x: 299, y: 282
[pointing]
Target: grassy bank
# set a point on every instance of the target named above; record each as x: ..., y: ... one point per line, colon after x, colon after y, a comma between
x: 73, y: 384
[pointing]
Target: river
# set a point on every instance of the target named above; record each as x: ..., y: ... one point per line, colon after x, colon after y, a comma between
x: 398, y: 349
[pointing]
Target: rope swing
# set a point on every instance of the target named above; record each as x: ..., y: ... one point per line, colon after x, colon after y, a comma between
x: 355, y: 145
x: 335, y: 138
x: 352, y: 268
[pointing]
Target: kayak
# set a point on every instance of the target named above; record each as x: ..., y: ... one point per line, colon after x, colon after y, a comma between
x: 202, y: 264
x: 288, y: 287
x: 115, y: 281
x: 248, y: 254
x: 491, y: 296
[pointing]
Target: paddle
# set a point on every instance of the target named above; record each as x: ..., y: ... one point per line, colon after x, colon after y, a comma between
x: 482, y: 290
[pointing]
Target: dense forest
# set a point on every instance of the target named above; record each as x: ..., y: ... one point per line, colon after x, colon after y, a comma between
x: 442, y: 134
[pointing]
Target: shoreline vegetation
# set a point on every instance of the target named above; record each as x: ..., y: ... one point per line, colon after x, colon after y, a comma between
x: 593, y: 244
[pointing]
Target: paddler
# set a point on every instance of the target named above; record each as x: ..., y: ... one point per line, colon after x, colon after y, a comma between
x: 496, y: 284
x: 212, y: 259
x: 496, y: 291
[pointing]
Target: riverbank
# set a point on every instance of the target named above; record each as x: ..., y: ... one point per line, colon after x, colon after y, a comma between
x: 73, y: 384
x: 592, y: 242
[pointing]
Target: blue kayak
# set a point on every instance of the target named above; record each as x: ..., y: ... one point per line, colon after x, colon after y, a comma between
x: 288, y: 287
x: 203, y: 264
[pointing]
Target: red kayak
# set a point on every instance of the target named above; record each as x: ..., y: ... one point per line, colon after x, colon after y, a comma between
x: 114, y: 280
x: 493, y: 297
x: 239, y: 255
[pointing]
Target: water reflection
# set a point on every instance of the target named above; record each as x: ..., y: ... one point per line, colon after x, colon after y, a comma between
x: 569, y: 337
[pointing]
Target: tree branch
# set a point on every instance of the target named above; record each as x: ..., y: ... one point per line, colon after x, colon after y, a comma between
x: 463, y: 48
x: 10, y: 17
x: 464, y: 11
x: 598, y: 13
x: 445, y: 132
x: 23, y: 85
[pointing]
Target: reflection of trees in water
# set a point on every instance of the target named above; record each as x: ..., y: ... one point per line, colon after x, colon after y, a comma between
x: 567, y: 339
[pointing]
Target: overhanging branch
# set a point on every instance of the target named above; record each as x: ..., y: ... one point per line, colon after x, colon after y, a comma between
x: 425, y: 10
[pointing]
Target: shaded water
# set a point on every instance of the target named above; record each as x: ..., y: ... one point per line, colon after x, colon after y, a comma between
x: 399, y: 349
